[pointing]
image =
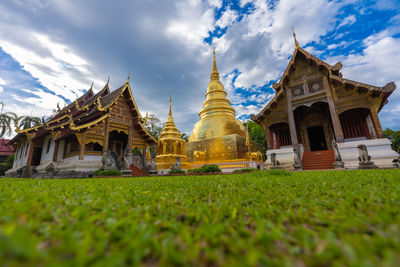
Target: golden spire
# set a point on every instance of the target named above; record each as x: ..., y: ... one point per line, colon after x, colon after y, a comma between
x: 214, y: 73
x: 296, y: 44
x: 108, y: 80
x: 129, y: 76
x: 170, y: 100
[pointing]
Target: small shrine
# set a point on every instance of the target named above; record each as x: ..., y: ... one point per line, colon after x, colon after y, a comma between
x: 171, y: 148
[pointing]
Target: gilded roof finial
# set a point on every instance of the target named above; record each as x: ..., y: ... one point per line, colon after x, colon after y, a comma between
x: 214, y: 73
x: 170, y: 100
x: 108, y: 79
x: 129, y: 76
x: 296, y: 44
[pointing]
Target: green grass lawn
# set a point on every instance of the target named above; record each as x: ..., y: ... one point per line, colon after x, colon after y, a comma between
x: 263, y: 218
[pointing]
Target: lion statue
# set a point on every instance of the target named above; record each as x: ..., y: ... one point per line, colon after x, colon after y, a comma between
x: 363, y: 153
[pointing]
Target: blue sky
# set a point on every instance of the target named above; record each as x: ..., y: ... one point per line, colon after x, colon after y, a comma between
x: 52, y: 50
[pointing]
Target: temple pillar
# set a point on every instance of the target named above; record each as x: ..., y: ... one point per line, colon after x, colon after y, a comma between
x: 144, y: 149
x: 55, y: 152
x: 30, y: 153
x: 337, y: 127
x: 268, y: 136
x: 375, y: 120
x: 292, y: 124
x: 106, y: 134
x: 130, y: 135
x: 82, y: 146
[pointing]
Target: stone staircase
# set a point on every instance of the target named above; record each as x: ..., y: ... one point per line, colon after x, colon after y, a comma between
x: 137, y: 172
x: 318, y: 160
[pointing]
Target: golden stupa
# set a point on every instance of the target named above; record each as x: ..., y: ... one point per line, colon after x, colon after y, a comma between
x: 170, y: 145
x: 218, y: 136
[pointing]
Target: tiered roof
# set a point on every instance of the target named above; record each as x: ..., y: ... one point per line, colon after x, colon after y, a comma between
x: 334, y: 75
x: 5, y: 149
x: 87, y: 111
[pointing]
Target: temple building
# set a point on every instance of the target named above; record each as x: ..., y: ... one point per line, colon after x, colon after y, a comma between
x: 170, y: 146
x: 316, y: 112
x: 6, y: 150
x: 218, y: 137
x: 74, y: 141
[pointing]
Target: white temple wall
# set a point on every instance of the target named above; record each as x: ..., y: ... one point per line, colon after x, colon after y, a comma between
x: 47, y: 154
x: 379, y: 149
x: 285, y: 156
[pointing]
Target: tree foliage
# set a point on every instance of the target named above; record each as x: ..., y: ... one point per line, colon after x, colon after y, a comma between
x: 153, y: 125
x: 6, y: 121
x: 185, y: 137
x: 256, y: 132
x: 25, y: 122
x: 394, y: 137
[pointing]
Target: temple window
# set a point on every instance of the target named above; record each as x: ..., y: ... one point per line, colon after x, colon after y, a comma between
x: 93, y: 146
x: 26, y: 150
x: 48, y: 146
x: 315, y: 86
x: 354, y: 123
x: 71, y: 145
x: 298, y: 91
x: 280, y: 135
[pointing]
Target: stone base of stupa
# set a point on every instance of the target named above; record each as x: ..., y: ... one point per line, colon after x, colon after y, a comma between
x: 221, y: 149
x: 167, y: 161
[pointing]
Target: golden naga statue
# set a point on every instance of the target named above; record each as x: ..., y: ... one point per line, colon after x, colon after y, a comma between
x: 170, y: 145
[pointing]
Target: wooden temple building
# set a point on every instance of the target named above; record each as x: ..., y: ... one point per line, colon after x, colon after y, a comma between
x: 72, y: 143
x: 313, y: 105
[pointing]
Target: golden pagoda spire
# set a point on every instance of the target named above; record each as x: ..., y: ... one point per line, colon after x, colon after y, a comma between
x: 214, y: 73
x: 296, y: 44
x: 170, y: 100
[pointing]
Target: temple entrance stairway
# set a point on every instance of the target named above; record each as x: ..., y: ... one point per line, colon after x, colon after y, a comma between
x: 318, y: 160
x: 137, y: 172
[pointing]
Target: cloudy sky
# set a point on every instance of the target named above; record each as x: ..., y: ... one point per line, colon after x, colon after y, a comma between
x: 52, y: 50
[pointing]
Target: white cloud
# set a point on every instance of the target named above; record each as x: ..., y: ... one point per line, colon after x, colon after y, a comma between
x: 227, y: 18
x: 349, y: 20
x: 245, y: 2
x: 2, y: 82
x: 215, y: 3
x: 193, y: 22
x: 54, y: 64
x: 242, y: 110
x: 341, y: 44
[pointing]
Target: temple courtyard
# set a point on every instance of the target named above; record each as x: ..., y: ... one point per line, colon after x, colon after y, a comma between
x: 272, y: 217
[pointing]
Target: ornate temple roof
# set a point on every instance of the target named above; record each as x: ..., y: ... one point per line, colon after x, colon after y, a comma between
x: 5, y: 149
x: 334, y: 75
x: 87, y: 111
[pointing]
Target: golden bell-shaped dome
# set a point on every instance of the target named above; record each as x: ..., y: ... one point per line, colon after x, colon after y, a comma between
x: 218, y: 117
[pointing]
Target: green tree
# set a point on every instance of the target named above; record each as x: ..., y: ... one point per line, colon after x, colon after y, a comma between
x: 185, y: 137
x: 6, y: 119
x: 153, y: 125
x: 25, y: 122
x: 256, y: 132
x: 394, y: 137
